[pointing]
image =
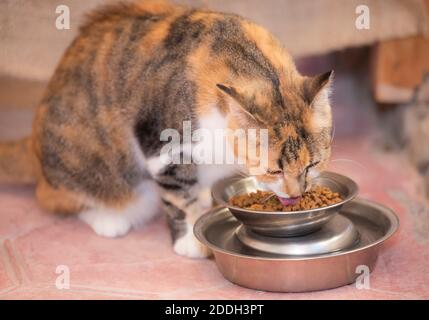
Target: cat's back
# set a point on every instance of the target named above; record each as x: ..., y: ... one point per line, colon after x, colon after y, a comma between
x: 135, y: 60
x: 121, y: 43
x: 134, y: 70
x: 146, y: 29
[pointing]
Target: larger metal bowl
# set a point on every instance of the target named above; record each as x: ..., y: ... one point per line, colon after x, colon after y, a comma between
x: 297, y: 273
x: 284, y: 224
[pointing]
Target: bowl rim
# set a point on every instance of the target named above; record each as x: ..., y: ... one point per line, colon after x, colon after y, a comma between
x: 387, y: 212
x: 352, y: 186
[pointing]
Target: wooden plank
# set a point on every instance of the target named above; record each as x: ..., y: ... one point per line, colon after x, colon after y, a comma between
x: 399, y: 66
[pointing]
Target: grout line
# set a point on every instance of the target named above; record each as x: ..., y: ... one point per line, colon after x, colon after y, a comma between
x: 24, y: 232
x: 9, y: 268
x: 71, y: 290
x: 133, y: 292
x: 18, y: 263
x: 7, y: 290
x: 102, y: 290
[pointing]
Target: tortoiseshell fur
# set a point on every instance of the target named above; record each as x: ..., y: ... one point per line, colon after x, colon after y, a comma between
x: 136, y: 69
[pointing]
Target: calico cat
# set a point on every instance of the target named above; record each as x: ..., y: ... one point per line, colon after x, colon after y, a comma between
x: 136, y: 69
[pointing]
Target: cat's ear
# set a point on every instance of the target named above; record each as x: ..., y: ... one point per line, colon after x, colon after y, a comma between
x: 231, y: 91
x: 317, y: 89
x: 238, y: 100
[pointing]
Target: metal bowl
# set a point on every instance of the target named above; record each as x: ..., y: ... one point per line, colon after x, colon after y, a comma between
x: 338, y: 234
x: 284, y: 224
x: 268, y: 271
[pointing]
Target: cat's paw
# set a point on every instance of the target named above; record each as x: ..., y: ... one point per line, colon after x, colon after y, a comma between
x: 189, y: 246
x: 106, y: 224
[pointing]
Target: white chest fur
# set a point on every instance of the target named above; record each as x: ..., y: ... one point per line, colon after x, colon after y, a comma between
x: 214, y: 156
x: 216, y: 145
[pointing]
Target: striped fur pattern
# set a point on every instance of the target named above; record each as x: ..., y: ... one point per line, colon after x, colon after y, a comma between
x: 137, y: 69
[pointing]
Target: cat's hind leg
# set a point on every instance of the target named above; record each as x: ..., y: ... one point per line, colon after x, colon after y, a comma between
x: 58, y: 199
x: 111, y: 221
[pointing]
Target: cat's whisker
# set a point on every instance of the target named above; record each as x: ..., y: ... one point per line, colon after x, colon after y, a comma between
x: 333, y: 132
x: 241, y: 173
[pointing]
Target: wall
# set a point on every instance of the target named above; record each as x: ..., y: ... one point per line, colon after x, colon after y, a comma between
x: 30, y: 45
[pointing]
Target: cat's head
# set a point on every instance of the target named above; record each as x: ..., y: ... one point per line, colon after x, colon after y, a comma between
x: 298, y: 120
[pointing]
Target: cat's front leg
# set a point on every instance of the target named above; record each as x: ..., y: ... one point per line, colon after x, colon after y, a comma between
x: 182, y: 213
x: 184, y: 202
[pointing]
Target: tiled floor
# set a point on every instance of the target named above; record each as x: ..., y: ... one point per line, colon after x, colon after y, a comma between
x: 142, y: 264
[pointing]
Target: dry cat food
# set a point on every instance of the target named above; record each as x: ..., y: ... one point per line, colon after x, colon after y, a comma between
x: 266, y: 201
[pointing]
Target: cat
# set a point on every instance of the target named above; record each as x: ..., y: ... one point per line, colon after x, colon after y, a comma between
x: 136, y: 69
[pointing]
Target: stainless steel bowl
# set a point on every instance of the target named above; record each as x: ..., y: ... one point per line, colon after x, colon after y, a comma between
x: 284, y: 224
x: 338, y: 234
x: 268, y: 271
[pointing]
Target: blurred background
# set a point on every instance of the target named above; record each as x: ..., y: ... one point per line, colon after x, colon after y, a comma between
x: 383, y: 66
x: 380, y: 104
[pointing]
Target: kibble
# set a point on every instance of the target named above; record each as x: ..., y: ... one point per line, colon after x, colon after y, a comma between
x: 318, y: 197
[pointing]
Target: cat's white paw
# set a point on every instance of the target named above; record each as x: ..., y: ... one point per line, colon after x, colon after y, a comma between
x: 106, y: 224
x: 189, y: 246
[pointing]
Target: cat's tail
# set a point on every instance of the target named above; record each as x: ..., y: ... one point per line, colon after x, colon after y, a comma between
x: 17, y: 162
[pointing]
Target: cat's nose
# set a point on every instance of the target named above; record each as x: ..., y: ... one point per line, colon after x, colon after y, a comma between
x: 295, y: 194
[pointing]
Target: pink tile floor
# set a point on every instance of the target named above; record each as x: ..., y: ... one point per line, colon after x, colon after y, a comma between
x: 142, y: 264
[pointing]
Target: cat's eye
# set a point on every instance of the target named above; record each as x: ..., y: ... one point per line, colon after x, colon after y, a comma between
x: 274, y: 172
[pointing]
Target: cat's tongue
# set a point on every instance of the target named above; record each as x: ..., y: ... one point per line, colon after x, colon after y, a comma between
x: 288, y: 201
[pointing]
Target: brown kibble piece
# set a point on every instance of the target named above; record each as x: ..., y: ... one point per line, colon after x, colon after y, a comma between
x: 318, y: 197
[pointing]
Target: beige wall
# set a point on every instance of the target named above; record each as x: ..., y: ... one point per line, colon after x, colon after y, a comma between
x: 30, y: 45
